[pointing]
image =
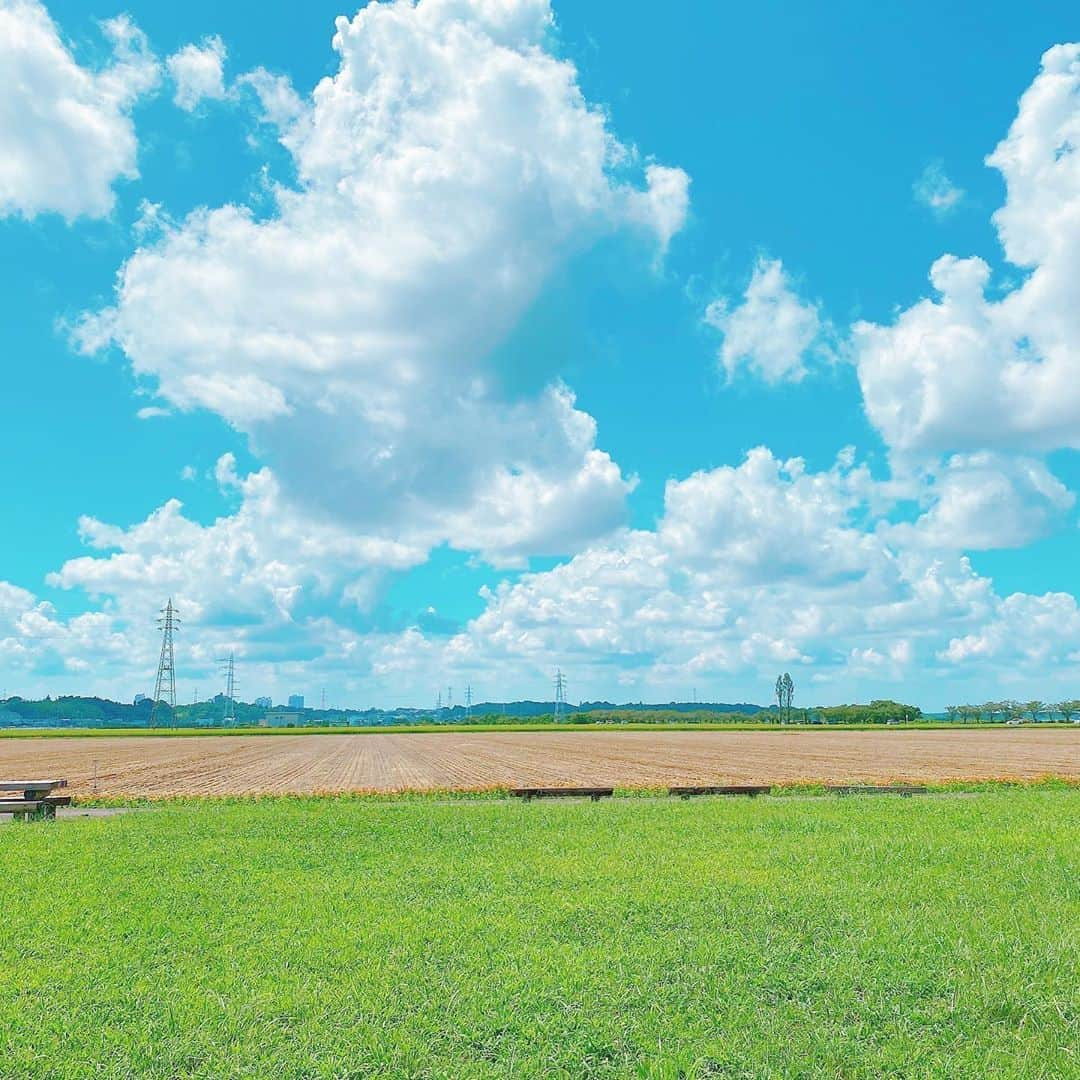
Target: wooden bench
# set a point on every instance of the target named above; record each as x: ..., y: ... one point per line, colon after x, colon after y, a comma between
x: 594, y: 793
x: 36, y: 800
x: 904, y: 790
x: 721, y: 789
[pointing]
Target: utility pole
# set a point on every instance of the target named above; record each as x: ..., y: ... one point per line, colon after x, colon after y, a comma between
x: 165, y: 684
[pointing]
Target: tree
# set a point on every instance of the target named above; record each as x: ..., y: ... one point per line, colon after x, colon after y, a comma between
x: 953, y: 711
x: 788, y: 688
x: 1068, y: 709
x: 1034, y: 709
x: 780, y: 698
x: 1012, y: 710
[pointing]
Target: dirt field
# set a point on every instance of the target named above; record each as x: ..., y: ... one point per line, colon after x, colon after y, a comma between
x: 220, y: 765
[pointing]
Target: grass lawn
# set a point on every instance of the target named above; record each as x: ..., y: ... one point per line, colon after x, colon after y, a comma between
x: 856, y: 937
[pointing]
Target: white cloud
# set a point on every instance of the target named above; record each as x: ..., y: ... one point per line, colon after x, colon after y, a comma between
x: 936, y: 191
x: 279, y: 102
x: 967, y: 371
x: 986, y: 500
x: 261, y: 561
x: 1036, y: 632
x: 752, y: 568
x: 772, y: 332
x: 66, y: 134
x: 198, y: 73
x: 276, y: 586
x: 444, y: 171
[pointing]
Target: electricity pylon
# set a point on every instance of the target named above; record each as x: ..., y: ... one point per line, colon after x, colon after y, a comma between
x: 228, y: 669
x: 165, y: 684
x: 560, y: 694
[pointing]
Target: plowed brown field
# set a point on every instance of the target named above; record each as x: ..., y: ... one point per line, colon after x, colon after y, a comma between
x: 253, y: 764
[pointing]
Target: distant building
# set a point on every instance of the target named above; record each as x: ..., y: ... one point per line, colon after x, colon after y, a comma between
x: 139, y: 699
x: 282, y: 719
x: 264, y: 702
x: 296, y: 701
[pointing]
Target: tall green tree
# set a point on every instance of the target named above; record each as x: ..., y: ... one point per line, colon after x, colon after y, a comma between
x: 789, y: 695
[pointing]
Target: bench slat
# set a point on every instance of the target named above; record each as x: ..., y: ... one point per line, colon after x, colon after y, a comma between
x: 33, y: 789
x: 29, y: 806
x: 873, y: 789
x: 593, y: 793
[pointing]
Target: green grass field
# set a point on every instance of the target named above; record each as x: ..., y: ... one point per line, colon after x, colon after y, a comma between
x: 789, y: 937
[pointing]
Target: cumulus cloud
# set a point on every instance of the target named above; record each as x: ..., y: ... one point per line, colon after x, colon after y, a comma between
x: 444, y: 171
x: 936, y: 191
x: 198, y: 73
x: 771, y: 332
x: 66, y: 134
x: 260, y: 561
x: 969, y: 369
x: 1036, y: 632
x: 754, y: 567
x: 986, y: 501
x: 751, y: 568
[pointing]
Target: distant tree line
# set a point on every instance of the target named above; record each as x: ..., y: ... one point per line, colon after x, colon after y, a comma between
x: 78, y: 708
x: 1006, y: 711
x: 95, y: 711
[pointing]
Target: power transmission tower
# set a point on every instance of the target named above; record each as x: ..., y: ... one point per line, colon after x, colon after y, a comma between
x: 165, y: 684
x: 560, y: 694
x: 324, y: 699
x: 228, y: 669
x: 468, y: 700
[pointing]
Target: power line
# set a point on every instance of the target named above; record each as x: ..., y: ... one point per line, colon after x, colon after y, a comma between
x: 165, y: 684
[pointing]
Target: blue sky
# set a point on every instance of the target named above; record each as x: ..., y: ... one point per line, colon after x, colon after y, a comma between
x: 542, y: 338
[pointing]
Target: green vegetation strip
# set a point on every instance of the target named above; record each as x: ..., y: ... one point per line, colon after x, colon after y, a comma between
x: 856, y: 937
x: 413, y: 729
